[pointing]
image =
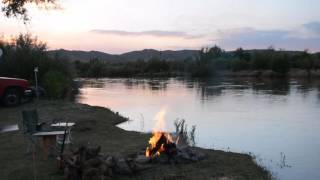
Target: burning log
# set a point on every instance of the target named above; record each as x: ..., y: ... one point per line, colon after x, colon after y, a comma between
x: 163, y: 149
x: 162, y: 143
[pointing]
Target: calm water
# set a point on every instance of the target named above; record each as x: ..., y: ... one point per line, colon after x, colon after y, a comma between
x: 276, y: 120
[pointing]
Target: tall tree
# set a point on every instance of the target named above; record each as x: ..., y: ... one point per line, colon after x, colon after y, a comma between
x: 17, y: 8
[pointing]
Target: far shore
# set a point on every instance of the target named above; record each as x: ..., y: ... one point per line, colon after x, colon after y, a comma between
x: 294, y: 73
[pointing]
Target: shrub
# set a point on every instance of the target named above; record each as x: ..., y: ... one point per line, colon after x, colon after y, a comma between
x: 240, y: 64
x: 24, y: 53
x: 56, y: 84
x: 280, y: 63
x: 183, y: 136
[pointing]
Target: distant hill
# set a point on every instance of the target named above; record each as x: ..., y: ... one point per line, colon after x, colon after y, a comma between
x: 146, y: 54
x: 83, y: 56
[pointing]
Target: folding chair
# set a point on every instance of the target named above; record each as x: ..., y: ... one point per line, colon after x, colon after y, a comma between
x: 30, y: 126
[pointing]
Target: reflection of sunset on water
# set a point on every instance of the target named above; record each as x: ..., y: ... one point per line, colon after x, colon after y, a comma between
x: 134, y: 95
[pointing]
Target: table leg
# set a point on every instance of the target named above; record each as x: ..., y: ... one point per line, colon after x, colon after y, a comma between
x: 47, y: 142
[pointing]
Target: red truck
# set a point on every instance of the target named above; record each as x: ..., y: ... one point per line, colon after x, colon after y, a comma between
x: 13, y: 90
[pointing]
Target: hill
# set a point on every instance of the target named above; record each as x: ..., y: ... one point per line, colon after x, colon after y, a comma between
x: 83, y: 56
x: 146, y: 54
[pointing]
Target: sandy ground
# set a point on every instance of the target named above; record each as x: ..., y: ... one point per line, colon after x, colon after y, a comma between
x: 96, y: 126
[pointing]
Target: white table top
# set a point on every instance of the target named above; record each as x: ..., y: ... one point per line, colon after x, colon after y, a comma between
x: 48, y: 133
x: 63, y: 124
x: 9, y: 128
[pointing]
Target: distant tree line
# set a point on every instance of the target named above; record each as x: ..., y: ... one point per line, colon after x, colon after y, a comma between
x: 208, y: 63
x: 24, y: 53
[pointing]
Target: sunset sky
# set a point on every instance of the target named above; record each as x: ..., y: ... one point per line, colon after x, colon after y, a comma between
x: 117, y: 26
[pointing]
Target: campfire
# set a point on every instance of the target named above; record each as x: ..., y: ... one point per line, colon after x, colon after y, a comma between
x: 167, y: 148
x: 163, y: 148
x: 161, y: 143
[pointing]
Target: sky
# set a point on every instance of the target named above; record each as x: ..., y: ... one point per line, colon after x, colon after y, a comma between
x: 118, y: 26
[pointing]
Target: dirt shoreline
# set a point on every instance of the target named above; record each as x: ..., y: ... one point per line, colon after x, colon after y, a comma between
x: 97, y: 126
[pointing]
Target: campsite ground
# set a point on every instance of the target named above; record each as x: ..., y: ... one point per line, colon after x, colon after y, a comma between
x: 97, y: 126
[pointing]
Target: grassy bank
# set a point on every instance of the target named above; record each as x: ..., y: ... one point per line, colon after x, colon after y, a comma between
x: 96, y: 126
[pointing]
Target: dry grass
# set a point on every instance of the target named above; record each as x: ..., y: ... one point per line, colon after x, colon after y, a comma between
x: 96, y: 126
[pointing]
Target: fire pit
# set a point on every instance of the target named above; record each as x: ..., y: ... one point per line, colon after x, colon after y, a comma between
x: 163, y: 147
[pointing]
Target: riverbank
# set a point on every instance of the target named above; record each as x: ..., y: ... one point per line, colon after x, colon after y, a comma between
x: 293, y: 73
x: 96, y: 126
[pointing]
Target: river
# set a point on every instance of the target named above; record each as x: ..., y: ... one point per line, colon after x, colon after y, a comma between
x: 277, y: 121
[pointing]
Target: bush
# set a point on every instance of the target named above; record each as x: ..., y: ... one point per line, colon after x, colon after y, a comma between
x: 280, y: 64
x: 183, y: 136
x: 56, y: 84
x: 24, y: 53
x: 240, y: 64
x: 261, y: 61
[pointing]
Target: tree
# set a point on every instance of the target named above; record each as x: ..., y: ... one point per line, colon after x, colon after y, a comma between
x: 208, y: 54
x: 280, y: 63
x: 17, y: 8
x: 241, y: 54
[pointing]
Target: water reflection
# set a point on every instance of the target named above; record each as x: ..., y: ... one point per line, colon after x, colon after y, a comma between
x: 272, y: 86
x: 209, y: 88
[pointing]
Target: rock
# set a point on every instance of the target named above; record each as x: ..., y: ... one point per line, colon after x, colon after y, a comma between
x: 182, y: 158
x: 224, y: 178
x: 110, y: 162
x: 194, y: 158
x: 139, y: 167
x: 184, y: 155
x: 201, y: 156
x: 187, y: 154
x: 163, y: 158
x: 94, y: 162
x: 142, y: 159
x: 122, y: 167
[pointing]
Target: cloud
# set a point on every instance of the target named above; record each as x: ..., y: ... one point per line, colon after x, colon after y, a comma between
x: 305, y: 36
x: 154, y: 33
x: 313, y: 26
x: 297, y: 39
x: 306, y: 31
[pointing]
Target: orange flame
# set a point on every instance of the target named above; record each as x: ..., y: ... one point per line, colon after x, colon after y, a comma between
x: 158, y: 131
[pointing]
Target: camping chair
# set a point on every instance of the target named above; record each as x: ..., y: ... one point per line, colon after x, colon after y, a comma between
x: 30, y: 126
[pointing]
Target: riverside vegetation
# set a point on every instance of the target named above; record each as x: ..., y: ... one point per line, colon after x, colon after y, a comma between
x: 209, y: 62
x: 23, y: 53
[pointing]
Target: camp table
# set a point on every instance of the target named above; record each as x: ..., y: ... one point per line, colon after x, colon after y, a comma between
x: 48, y: 139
